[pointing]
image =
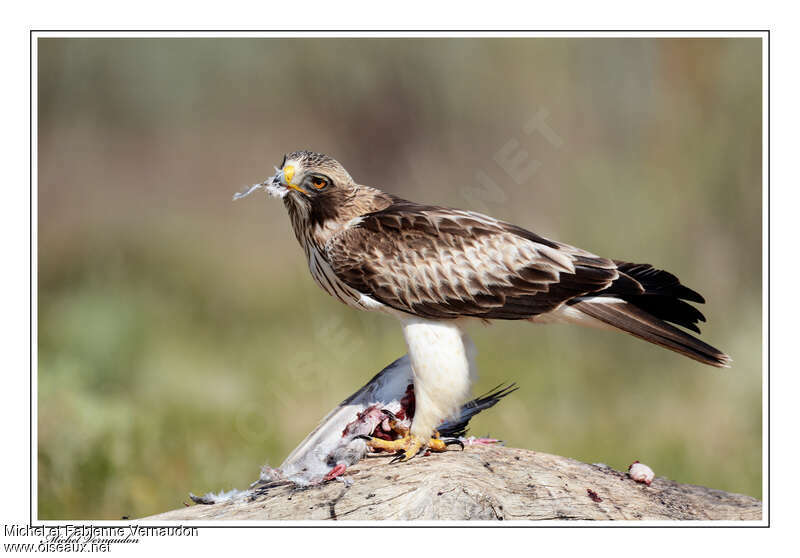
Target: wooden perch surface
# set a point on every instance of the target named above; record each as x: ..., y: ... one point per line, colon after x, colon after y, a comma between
x: 484, y: 483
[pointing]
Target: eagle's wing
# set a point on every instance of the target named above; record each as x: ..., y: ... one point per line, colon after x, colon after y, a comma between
x: 442, y: 263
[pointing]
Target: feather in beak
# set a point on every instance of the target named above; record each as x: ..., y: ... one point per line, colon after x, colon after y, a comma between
x: 272, y: 185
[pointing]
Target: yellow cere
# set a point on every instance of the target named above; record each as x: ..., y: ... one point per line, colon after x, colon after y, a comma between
x: 288, y: 173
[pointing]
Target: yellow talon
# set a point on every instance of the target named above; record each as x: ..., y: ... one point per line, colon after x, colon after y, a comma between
x: 410, y: 445
x: 435, y: 444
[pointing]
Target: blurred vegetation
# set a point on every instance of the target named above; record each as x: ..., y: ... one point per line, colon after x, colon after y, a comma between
x: 182, y: 342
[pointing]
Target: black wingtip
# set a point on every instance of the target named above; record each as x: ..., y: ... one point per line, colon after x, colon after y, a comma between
x: 663, y: 294
x: 457, y: 426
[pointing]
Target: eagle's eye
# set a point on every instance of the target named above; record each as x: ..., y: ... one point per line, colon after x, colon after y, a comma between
x: 318, y: 182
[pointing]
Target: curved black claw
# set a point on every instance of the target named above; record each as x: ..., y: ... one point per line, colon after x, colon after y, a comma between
x: 361, y: 437
x: 398, y: 457
x: 453, y: 442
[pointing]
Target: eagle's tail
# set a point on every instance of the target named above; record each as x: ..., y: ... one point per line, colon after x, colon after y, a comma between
x: 643, y: 301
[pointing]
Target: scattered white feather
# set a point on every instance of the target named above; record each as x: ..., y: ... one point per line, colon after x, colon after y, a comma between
x: 277, y: 190
x: 641, y: 473
x: 272, y: 186
x: 221, y: 497
x: 248, y: 191
x: 268, y: 474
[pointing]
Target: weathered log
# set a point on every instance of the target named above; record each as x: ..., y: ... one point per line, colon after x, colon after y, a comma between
x: 484, y: 483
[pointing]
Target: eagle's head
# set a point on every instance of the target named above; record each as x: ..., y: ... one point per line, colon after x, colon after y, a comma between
x: 319, y: 193
x: 313, y: 186
x: 317, y: 190
x: 307, y: 177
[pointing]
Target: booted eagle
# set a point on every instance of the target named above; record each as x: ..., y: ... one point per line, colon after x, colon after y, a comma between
x: 434, y: 267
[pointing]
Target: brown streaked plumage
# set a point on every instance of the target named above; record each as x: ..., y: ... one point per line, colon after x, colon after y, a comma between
x: 432, y: 266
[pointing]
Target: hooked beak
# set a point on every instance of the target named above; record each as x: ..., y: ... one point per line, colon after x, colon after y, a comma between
x: 285, y: 178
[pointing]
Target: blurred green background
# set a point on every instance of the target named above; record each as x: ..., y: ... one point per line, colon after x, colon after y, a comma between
x: 182, y: 342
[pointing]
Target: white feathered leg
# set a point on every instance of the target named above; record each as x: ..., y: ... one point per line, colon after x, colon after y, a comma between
x: 472, y: 354
x: 441, y: 364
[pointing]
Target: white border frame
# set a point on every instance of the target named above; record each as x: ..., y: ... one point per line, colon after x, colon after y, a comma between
x: 764, y: 35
